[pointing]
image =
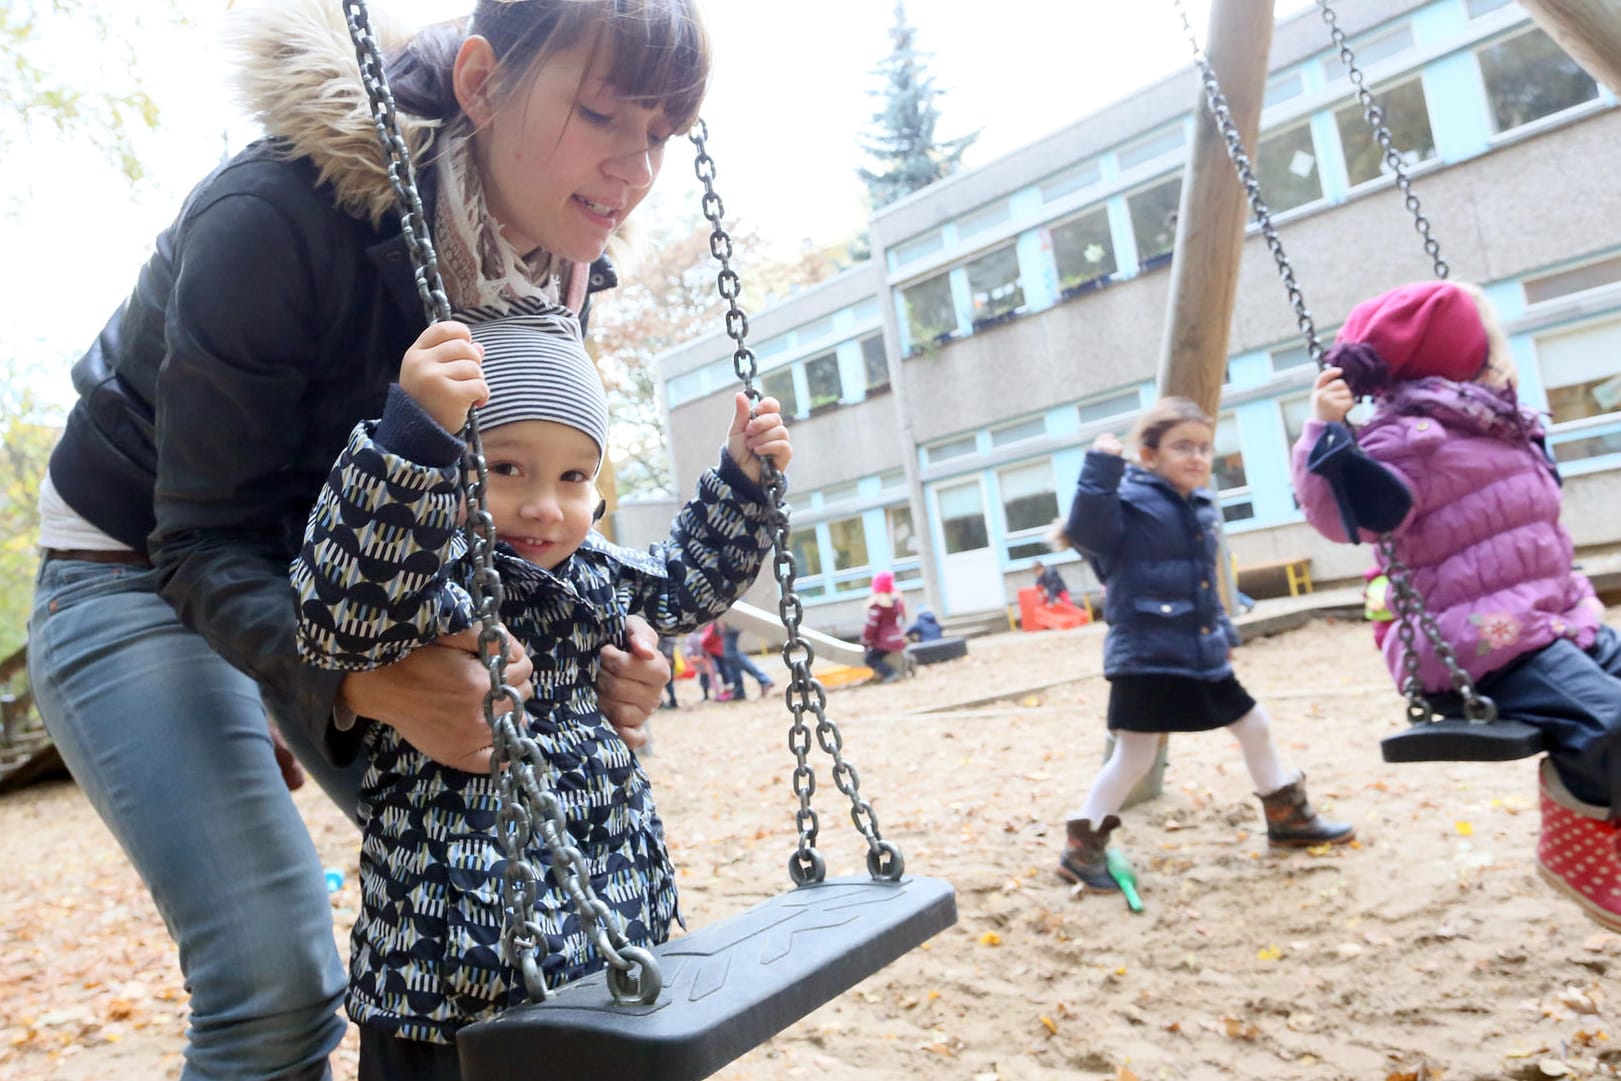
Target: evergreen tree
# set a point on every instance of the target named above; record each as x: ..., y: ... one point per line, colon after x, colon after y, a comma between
x: 904, y: 146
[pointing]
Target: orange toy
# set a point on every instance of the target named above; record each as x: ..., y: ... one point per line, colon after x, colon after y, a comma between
x: 1037, y: 615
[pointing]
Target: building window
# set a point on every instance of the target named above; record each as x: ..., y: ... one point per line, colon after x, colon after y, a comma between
x: 1574, y: 280
x: 1579, y: 371
x: 822, y: 381
x: 807, y: 556
x: 1083, y: 249
x: 982, y: 219
x: 1282, y: 88
x: 1079, y: 178
x: 780, y: 385
x: 962, y: 518
x: 848, y: 538
x: 874, y: 363
x: 993, y: 282
x: 1371, y: 50
x: 955, y: 448
x: 916, y: 248
x: 1296, y: 411
x: 835, y: 492
x: 1153, y: 221
x: 902, y: 537
x: 891, y: 479
x: 1227, y: 470
x: 1407, y: 116
x: 1121, y: 404
x: 1477, y: 8
x: 1156, y: 145
x: 1290, y: 358
x: 931, y: 314
x: 1029, y: 500
x: 1528, y: 77
x: 1286, y: 166
x: 1018, y: 433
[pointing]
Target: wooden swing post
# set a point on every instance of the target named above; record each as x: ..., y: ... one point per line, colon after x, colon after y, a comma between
x: 1210, y: 242
x: 1589, y: 30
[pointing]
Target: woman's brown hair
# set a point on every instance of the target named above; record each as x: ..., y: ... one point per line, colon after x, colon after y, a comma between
x: 658, y: 52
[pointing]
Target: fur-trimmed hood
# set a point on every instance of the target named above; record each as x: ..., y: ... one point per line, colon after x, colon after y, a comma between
x: 296, y: 73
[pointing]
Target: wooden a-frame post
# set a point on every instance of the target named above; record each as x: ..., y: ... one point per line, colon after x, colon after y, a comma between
x: 1210, y: 240
x: 1589, y: 30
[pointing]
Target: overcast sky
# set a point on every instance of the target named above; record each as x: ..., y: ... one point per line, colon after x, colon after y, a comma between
x: 791, y: 94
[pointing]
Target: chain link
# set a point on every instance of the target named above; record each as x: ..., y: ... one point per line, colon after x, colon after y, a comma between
x: 1375, y: 117
x: 1221, y: 113
x: 527, y: 806
x: 1409, y: 606
x: 805, y: 693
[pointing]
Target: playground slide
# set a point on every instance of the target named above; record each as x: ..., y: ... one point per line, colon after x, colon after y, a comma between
x: 766, y: 625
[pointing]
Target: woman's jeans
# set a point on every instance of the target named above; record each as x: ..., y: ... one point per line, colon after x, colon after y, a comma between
x: 171, y: 745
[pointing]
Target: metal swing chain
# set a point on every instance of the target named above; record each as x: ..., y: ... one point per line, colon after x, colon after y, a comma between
x: 516, y: 761
x: 1222, y: 114
x: 1375, y: 117
x: 1409, y: 605
x: 805, y: 693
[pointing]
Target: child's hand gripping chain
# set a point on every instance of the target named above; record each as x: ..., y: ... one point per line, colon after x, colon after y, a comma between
x: 443, y: 373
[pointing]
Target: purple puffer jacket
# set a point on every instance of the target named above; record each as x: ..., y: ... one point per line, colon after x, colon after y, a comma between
x: 1483, y: 540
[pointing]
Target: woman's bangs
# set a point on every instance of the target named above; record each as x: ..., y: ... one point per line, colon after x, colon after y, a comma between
x: 659, y: 54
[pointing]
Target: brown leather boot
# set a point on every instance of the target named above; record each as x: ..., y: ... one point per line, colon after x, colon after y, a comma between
x: 1291, y: 822
x: 1083, y: 861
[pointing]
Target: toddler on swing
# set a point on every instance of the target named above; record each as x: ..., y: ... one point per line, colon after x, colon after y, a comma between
x: 1150, y: 532
x: 384, y: 570
x: 1484, y: 548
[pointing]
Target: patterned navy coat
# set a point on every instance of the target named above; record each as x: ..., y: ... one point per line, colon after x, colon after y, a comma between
x: 1155, y: 551
x: 383, y: 571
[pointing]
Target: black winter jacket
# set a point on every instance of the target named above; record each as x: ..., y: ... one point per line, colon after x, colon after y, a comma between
x: 267, y: 323
x: 1155, y: 552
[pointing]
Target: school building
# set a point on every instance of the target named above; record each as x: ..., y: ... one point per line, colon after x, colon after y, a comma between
x: 943, y: 394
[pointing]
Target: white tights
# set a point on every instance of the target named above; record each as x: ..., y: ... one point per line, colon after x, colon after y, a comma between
x: 1134, y: 755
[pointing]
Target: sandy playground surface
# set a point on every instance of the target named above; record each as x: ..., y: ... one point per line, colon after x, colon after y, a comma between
x: 1428, y: 951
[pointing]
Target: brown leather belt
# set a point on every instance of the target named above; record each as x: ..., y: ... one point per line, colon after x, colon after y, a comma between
x: 123, y: 556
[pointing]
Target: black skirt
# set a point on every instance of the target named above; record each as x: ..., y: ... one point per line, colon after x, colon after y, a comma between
x: 1175, y: 703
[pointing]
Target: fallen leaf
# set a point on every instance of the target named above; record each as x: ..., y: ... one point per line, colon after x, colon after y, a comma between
x: 990, y: 938
x: 1464, y: 829
x: 1050, y: 1025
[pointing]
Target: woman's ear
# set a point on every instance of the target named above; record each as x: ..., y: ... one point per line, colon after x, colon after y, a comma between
x: 470, y: 79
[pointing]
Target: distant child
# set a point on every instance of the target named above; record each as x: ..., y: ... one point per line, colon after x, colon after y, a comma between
x: 881, y: 634
x: 738, y: 662
x: 709, y: 681
x: 1051, y: 583
x: 384, y: 571
x: 1484, y: 549
x: 925, y: 628
x: 1151, y: 534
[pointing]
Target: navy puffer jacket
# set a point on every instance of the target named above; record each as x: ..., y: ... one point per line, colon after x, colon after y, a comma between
x: 1156, y: 552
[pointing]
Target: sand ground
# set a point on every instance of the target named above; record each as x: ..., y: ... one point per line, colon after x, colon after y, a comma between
x: 1428, y: 950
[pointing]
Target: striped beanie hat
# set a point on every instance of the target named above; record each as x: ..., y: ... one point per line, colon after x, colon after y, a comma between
x: 537, y: 368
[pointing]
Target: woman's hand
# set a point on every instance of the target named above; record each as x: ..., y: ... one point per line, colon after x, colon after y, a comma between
x: 630, y: 684
x: 434, y: 698
x: 443, y: 373
x: 1331, y: 396
x: 1107, y: 443
x: 763, y: 435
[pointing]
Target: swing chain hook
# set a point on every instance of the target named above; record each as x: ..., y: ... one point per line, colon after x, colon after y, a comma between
x: 805, y: 693
x: 516, y: 761
x: 1222, y: 115
x: 1375, y: 116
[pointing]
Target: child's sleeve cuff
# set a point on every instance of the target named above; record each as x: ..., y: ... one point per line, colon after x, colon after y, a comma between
x: 407, y: 430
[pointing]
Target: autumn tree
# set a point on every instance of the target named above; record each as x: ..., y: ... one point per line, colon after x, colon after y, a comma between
x: 907, y: 154
x: 72, y: 67
x: 28, y: 431
x: 667, y: 298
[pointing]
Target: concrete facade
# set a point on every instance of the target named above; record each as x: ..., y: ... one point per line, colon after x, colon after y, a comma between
x: 999, y: 410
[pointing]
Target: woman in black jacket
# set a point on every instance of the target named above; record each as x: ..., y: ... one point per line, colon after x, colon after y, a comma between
x: 270, y: 319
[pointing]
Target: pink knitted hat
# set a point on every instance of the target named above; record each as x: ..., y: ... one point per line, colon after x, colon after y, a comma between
x: 1427, y: 328
x: 883, y: 582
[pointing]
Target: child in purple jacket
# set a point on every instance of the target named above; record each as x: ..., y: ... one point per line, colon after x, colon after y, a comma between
x: 1484, y: 548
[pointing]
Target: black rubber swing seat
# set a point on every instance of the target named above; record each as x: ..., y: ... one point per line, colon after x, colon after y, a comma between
x: 1454, y: 739
x: 941, y: 649
x: 727, y: 987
